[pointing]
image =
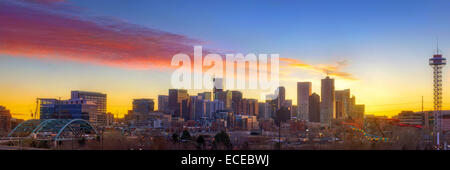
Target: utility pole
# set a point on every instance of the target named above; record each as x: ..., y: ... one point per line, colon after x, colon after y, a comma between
x: 279, y: 133
x: 102, y: 139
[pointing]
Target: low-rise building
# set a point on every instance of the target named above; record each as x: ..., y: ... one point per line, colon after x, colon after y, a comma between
x: 5, y: 120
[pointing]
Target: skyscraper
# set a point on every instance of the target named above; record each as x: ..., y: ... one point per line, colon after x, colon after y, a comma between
x: 199, y: 108
x: 303, y: 93
x: 205, y: 96
x: 163, y: 103
x: 250, y: 107
x: 343, y: 102
x: 281, y: 96
x: 264, y: 111
x: 327, y: 105
x: 314, y: 108
x: 236, y: 104
x: 176, y: 97
x: 359, y: 111
x: 351, y: 110
x: 212, y: 107
x: 288, y: 105
x: 225, y: 97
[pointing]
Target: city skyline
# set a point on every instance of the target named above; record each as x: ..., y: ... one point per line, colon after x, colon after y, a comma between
x: 381, y: 56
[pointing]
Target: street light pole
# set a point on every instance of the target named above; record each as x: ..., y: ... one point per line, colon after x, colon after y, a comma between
x: 279, y: 134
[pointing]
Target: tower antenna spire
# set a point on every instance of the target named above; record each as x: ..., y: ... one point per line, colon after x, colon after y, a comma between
x: 437, y: 45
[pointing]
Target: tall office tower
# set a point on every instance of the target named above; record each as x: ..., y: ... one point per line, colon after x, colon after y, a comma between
x: 184, y: 109
x: 359, y: 111
x: 200, y: 108
x: 163, y: 103
x: 351, y: 108
x: 314, y: 108
x: 173, y: 101
x: 281, y: 96
x: 327, y: 105
x: 288, y: 104
x: 194, y: 107
x: 437, y: 62
x: 143, y: 106
x: 98, y: 98
x: 294, y: 111
x: 225, y: 97
x: 264, y: 111
x: 236, y: 104
x: 342, y: 98
x: 176, y: 97
x: 212, y: 107
x: 303, y: 93
x: 271, y: 100
x: 205, y: 96
x: 193, y: 100
x: 250, y: 107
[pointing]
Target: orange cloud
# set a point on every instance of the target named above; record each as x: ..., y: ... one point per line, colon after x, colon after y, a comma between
x: 331, y: 70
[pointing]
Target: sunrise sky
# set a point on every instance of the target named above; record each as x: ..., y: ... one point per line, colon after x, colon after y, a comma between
x: 378, y: 49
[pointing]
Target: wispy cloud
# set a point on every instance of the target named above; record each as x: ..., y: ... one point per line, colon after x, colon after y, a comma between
x: 38, y: 31
x: 44, y: 1
x: 330, y: 69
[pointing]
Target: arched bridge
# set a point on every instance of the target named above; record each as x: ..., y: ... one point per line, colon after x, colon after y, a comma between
x: 55, y: 129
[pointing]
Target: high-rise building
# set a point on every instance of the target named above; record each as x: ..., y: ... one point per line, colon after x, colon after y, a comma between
x: 185, y: 109
x: 343, y: 101
x: 303, y: 93
x: 281, y: 96
x: 314, y: 108
x: 163, y: 103
x: 351, y: 110
x: 173, y: 101
x: 359, y: 111
x: 250, y: 107
x: 272, y: 101
x: 143, y: 106
x: 327, y: 105
x: 176, y: 97
x: 199, y: 108
x: 236, y: 101
x: 264, y: 111
x: 98, y: 98
x: 225, y: 97
x: 212, y: 107
x: 205, y: 96
x: 288, y: 105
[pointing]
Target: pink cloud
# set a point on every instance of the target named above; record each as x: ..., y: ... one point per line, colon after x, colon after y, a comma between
x: 29, y: 31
